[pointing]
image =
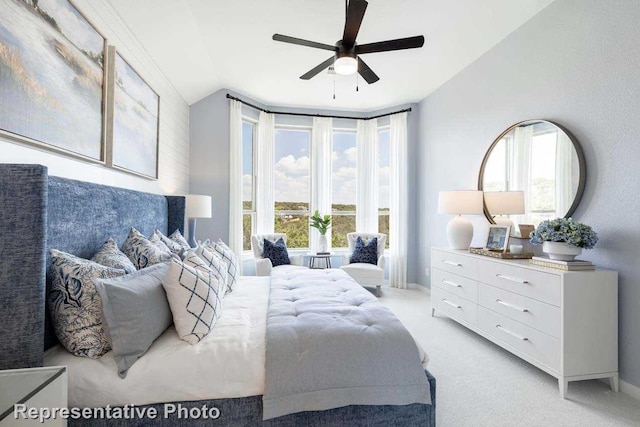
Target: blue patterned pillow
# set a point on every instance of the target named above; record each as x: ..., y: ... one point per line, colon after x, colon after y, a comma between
x: 75, y: 305
x: 365, y: 253
x: 276, y: 252
x: 110, y: 256
x: 142, y: 252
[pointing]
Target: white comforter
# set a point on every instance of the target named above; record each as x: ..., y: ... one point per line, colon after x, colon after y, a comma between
x: 228, y: 363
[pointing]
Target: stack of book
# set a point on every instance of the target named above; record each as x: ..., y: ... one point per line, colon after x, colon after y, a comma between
x: 577, y: 265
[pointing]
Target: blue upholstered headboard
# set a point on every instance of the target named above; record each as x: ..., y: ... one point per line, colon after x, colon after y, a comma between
x: 39, y: 212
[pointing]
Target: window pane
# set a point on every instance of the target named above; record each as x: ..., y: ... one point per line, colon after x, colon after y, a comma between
x: 247, y: 165
x: 296, y: 227
x: 342, y: 224
x: 384, y: 163
x: 383, y: 227
x: 247, y: 231
x: 291, y: 185
x: 343, y: 187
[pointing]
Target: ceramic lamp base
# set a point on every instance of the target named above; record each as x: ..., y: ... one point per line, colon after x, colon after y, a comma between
x: 192, y: 233
x: 459, y: 233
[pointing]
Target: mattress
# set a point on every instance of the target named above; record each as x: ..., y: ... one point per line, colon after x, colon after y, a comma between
x: 228, y: 363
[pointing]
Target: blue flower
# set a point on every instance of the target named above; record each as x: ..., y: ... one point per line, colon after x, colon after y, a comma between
x: 564, y: 230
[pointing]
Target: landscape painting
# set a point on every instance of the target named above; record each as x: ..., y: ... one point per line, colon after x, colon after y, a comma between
x: 135, y: 122
x: 51, y: 77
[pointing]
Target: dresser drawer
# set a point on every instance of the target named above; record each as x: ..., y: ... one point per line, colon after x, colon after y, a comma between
x: 535, y: 344
x: 534, y: 284
x: 454, y: 305
x: 457, y: 285
x: 539, y: 315
x: 454, y: 263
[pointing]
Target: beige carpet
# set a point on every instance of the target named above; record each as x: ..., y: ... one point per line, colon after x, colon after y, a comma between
x: 480, y: 384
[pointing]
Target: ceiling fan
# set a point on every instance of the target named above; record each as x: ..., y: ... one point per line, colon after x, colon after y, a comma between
x: 346, y: 58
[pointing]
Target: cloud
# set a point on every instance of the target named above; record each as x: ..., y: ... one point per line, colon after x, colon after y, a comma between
x: 247, y: 191
x: 288, y: 188
x: 351, y: 154
x: 291, y: 166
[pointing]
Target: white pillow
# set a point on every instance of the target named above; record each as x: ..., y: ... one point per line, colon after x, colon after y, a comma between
x: 228, y: 256
x: 211, y: 261
x: 195, y: 298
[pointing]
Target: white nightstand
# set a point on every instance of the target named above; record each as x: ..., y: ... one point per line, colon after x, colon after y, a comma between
x: 35, y: 388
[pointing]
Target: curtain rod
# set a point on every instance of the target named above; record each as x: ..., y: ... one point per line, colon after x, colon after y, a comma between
x: 406, y: 110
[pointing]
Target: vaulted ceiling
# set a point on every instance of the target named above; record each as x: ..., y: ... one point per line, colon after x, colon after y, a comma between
x: 204, y: 45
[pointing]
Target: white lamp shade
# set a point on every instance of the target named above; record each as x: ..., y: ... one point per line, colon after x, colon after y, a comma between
x: 461, y: 202
x: 504, y: 202
x: 198, y: 206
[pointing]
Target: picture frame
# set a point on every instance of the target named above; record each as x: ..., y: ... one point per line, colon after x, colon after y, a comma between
x: 133, y: 120
x: 498, y: 239
x: 65, y: 113
x: 525, y: 230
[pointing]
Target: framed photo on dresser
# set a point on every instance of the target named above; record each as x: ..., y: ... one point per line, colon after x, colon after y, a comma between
x: 498, y: 239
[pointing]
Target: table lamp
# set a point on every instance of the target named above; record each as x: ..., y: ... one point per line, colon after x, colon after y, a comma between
x: 197, y: 207
x: 461, y: 202
x: 504, y: 203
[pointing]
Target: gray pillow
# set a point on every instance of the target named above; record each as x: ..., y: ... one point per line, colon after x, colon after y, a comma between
x: 136, y: 312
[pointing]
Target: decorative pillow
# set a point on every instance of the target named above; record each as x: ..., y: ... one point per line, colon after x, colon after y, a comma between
x: 228, y: 256
x: 142, y: 252
x: 195, y: 299
x: 276, y: 252
x: 203, y: 259
x: 136, y: 312
x: 75, y: 306
x: 365, y: 253
x: 157, y: 241
x: 176, y: 236
x: 110, y: 256
x: 174, y: 247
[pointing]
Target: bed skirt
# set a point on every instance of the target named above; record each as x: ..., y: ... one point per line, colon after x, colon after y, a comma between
x: 247, y: 411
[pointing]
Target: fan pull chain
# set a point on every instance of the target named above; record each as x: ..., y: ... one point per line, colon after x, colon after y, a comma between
x: 334, y: 86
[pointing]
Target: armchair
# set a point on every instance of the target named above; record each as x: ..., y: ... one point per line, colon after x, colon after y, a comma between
x: 363, y: 273
x: 263, y: 265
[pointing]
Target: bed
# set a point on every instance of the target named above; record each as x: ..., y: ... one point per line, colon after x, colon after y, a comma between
x: 42, y: 212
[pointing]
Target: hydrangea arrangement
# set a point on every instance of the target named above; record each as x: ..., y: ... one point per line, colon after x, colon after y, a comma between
x: 564, y: 230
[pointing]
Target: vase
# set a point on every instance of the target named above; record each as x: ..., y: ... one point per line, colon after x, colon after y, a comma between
x: 322, y: 243
x: 561, y: 251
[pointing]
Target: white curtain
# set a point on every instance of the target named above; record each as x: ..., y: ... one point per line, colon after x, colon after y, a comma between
x: 520, y: 173
x: 564, y: 174
x: 265, y: 215
x: 321, y: 145
x: 398, y: 197
x: 235, y: 181
x: 367, y: 177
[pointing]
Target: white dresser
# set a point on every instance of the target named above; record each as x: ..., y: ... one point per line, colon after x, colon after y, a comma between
x: 565, y: 323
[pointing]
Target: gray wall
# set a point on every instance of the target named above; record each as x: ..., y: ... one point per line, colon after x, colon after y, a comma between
x: 209, y: 157
x: 577, y: 63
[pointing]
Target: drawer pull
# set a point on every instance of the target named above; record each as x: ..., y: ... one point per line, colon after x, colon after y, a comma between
x: 512, y: 279
x: 455, y: 264
x: 506, y: 331
x: 515, y: 307
x: 455, y: 285
x: 451, y: 304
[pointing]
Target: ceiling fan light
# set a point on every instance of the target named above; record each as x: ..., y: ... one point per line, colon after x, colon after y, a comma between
x: 346, y: 65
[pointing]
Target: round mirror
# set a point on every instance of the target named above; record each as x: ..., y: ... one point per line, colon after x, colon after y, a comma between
x: 533, y: 171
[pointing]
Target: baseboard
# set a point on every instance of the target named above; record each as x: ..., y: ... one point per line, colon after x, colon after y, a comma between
x: 630, y: 389
x: 419, y: 288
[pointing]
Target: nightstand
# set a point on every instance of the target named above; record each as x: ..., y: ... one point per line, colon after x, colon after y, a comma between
x: 35, y: 388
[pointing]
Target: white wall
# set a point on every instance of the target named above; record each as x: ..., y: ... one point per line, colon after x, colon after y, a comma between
x: 174, y: 121
x: 575, y: 63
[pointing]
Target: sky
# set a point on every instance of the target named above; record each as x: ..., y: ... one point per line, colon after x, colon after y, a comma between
x: 292, y: 166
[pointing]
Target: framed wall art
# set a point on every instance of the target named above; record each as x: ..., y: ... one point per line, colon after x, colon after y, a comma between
x: 52, y: 77
x: 133, y: 116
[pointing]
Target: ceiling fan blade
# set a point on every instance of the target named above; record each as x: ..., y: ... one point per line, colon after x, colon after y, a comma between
x: 355, y: 14
x: 317, y: 69
x: 302, y: 42
x: 366, y: 72
x: 388, y: 45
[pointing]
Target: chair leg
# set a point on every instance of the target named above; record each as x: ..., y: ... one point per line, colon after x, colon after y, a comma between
x: 378, y: 293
